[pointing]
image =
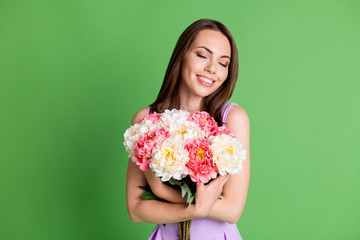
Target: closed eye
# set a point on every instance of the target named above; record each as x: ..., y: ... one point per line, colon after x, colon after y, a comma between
x: 224, y: 65
x: 199, y: 55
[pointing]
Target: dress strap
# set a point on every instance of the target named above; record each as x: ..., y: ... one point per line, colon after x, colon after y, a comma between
x: 225, y: 110
x: 148, y: 110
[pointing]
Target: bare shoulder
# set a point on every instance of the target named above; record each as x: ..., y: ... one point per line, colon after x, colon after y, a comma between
x: 237, y: 117
x: 139, y: 115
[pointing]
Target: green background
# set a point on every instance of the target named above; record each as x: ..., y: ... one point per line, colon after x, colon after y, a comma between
x: 73, y: 73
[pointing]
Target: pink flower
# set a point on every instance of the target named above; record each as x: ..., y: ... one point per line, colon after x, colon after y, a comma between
x: 201, y: 166
x: 145, y: 146
x: 219, y: 131
x: 153, y: 117
x: 204, y: 120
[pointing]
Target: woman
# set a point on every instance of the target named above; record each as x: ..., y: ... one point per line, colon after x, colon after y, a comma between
x: 201, y: 76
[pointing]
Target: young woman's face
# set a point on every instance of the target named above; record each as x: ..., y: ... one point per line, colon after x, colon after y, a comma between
x: 206, y: 63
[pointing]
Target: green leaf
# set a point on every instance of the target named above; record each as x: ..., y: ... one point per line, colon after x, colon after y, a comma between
x: 190, y: 200
x: 186, y: 188
x: 149, y: 196
x: 220, y: 196
x: 175, y: 182
x: 183, y: 192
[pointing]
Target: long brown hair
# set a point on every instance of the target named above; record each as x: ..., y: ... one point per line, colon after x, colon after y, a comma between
x: 168, y: 97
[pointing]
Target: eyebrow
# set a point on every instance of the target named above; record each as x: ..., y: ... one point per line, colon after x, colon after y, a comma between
x: 223, y: 56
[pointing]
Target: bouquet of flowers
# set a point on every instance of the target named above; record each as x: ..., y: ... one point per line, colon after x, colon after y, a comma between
x: 184, y: 149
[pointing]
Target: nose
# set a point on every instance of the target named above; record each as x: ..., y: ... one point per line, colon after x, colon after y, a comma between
x: 211, y: 67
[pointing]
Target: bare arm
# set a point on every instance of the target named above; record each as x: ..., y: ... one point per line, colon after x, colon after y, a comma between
x: 153, y: 211
x: 232, y: 202
x: 162, y: 190
x: 230, y: 207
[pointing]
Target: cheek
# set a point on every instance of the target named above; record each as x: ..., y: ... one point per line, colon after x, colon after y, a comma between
x: 224, y: 75
x: 194, y: 64
x: 187, y: 66
x: 187, y: 71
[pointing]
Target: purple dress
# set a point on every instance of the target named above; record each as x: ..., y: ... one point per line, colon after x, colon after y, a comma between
x: 201, y: 228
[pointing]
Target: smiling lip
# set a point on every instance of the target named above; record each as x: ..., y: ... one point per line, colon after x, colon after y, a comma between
x: 205, y: 80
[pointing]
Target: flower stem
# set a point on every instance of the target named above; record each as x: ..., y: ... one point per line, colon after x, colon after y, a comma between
x: 184, y: 230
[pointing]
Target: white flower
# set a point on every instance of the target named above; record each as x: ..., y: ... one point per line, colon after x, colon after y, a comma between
x: 175, y: 121
x: 134, y: 133
x: 228, y: 153
x: 186, y: 131
x: 174, y: 116
x: 169, y: 160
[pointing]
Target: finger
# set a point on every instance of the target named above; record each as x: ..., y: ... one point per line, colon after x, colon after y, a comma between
x: 200, y: 186
x: 226, y: 177
x: 217, y: 181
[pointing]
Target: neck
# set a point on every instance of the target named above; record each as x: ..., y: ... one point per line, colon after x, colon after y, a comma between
x: 190, y: 102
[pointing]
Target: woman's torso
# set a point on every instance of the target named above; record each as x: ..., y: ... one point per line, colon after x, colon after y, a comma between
x: 201, y: 228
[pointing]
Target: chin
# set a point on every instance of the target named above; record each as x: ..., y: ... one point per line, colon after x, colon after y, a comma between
x: 207, y: 92
x: 204, y: 94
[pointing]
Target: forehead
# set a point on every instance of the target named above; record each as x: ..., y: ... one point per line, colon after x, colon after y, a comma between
x: 214, y: 40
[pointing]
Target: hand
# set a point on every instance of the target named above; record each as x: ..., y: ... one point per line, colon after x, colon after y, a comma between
x: 162, y: 190
x: 207, y: 195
